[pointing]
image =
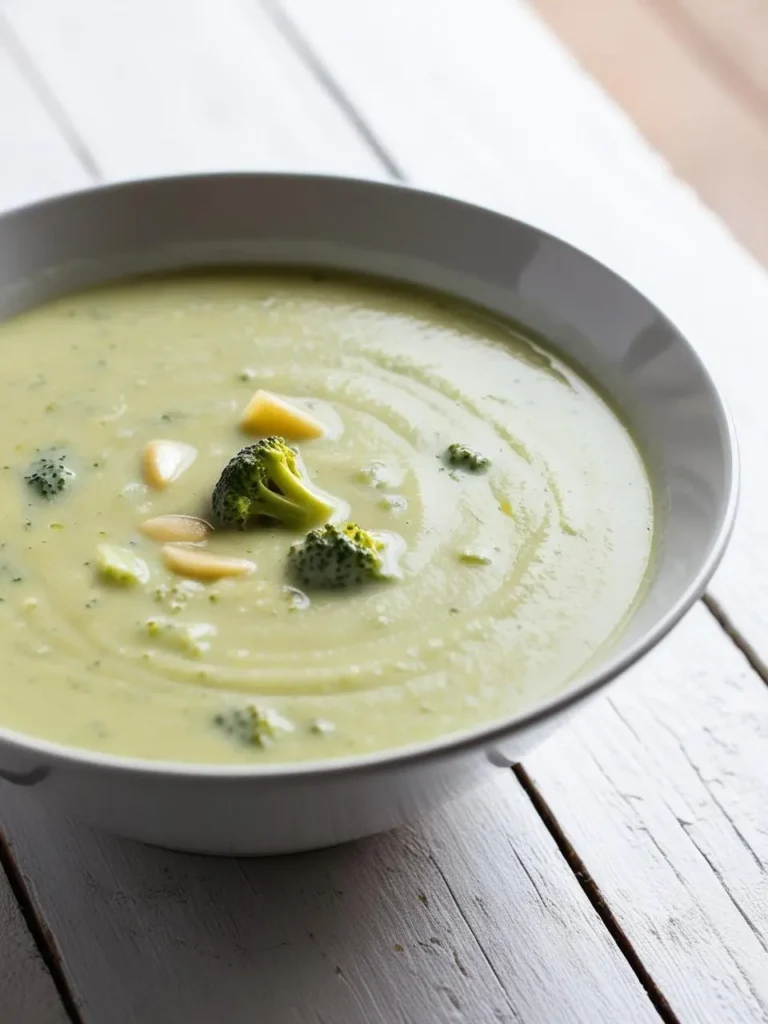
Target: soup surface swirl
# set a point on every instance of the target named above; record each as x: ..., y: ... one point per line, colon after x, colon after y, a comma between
x: 512, y: 580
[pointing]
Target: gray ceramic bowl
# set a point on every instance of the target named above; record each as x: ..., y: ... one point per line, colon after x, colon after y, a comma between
x: 593, y: 317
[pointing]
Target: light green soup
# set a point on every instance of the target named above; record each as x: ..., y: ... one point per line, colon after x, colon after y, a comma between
x: 512, y: 580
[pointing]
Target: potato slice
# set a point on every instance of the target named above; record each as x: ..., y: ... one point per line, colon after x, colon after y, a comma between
x: 187, y: 529
x: 162, y: 462
x: 120, y: 565
x: 204, y: 565
x: 266, y: 414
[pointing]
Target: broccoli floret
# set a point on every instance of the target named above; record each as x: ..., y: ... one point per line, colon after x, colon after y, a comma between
x: 263, y: 480
x: 190, y: 639
x: 120, y: 565
x: 49, y: 475
x: 252, y: 725
x: 464, y: 457
x: 334, y: 557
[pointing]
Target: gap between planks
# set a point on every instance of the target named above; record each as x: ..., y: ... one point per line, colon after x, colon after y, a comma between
x: 38, y: 929
x: 592, y: 892
x: 290, y: 33
x: 736, y: 637
x: 47, y: 99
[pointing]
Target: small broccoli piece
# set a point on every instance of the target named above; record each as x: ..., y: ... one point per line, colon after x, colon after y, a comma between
x: 252, y: 725
x: 189, y: 639
x: 334, y: 557
x: 264, y: 481
x: 393, y: 503
x: 464, y: 457
x: 376, y: 474
x: 321, y: 727
x: 120, y: 565
x: 49, y: 475
x: 176, y: 596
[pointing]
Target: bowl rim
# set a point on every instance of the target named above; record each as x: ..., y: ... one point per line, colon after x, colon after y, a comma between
x: 454, y: 743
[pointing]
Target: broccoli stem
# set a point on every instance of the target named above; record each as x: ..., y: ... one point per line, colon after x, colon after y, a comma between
x: 312, y: 505
x: 288, y: 512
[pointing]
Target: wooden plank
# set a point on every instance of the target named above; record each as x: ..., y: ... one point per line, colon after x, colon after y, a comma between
x: 35, y: 159
x: 180, y: 89
x: 369, y: 933
x: 730, y: 38
x: 146, y: 935
x: 726, y: 40
x: 693, y: 79
x: 510, y: 887
x: 573, y: 164
x: 27, y: 992
x: 674, y: 830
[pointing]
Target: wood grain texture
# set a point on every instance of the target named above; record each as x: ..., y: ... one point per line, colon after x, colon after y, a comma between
x: 35, y: 158
x: 165, y: 87
x: 509, y: 885
x: 692, y: 75
x: 370, y: 933
x: 27, y: 993
x: 662, y: 789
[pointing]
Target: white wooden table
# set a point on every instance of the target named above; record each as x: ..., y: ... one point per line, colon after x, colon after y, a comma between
x: 621, y: 874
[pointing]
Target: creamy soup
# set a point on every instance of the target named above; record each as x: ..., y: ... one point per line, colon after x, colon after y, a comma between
x: 510, y: 580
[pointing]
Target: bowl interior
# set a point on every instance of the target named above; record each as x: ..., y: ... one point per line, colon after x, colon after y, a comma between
x: 592, y: 317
